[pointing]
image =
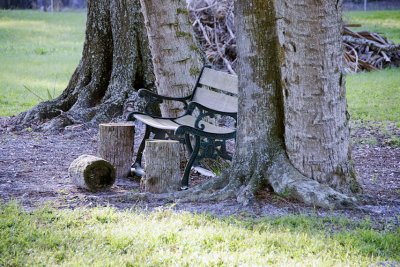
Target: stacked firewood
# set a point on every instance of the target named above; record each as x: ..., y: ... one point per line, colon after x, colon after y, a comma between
x: 213, y: 23
x: 369, y: 51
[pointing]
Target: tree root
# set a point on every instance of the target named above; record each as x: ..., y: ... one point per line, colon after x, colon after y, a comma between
x: 243, y: 184
x: 280, y: 174
x: 55, y: 115
x: 289, y: 182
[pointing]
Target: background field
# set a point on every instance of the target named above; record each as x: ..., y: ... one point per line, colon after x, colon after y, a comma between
x: 384, y: 22
x: 39, y: 51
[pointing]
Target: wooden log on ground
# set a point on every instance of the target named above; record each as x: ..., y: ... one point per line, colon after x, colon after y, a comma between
x: 162, y: 166
x: 92, y: 173
x: 116, y: 146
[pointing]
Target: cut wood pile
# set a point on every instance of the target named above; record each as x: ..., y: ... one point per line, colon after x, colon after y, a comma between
x: 213, y: 23
x: 369, y: 51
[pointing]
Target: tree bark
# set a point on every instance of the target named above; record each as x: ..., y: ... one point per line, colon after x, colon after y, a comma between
x: 176, y: 56
x: 116, y: 146
x: 115, y: 63
x: 91, y: 173
x: 317, y: 135
x: 299, y: 135
x: 270, y: 69
x: 162, y: 172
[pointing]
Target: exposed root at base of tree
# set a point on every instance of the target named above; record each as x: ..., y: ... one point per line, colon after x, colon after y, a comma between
x: 115, y: 63
x: 280, y: 174
x: 284, y: 179
x: 287, y: 181
x: 50, y: 115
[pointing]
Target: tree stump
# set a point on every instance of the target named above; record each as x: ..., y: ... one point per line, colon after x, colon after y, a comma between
x: 116, y: 146
x: 162, y: 166
x: 92, y: 173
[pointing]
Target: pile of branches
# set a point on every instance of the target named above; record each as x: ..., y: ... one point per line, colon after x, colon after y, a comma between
x: 213, y: 23
x: 369, y: 51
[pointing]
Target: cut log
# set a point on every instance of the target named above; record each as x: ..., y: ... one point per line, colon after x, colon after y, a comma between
x: 92, y: 173
x: 162, y: 162
x: 116, y: 146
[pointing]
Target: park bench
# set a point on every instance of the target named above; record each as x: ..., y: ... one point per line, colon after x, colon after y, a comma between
x: 214, y: 96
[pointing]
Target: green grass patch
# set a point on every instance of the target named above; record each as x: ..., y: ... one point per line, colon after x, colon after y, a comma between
x: 38, y: 51
x: 107, y: 237
x: 374, y: 96
x: 383, y: 22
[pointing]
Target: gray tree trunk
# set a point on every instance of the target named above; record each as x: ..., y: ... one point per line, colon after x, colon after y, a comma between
x: 115, y: 63
x: 176, y: 56
x: 275, y: 108
x: 292, y: 101
x: 316, y: 119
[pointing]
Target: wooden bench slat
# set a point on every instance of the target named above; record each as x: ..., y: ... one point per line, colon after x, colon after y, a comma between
x: 220, y: 80
x: 164, y: 124
x: 188, y: 120
x: 215, y: 100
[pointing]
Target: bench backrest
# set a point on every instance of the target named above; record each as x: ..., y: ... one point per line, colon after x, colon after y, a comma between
x: 217, y: 90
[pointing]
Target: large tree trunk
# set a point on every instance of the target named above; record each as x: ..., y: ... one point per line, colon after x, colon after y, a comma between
x: 297, y: 89
x: 289, y: 107
x: 176, y: 56
x: 316, y: 121
x: 115, y: 61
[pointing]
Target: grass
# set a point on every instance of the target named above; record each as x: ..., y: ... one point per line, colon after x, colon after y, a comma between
x: 384, y: 22
x: 374, y: 96
x: 38, y: 51
x: 107, y: 237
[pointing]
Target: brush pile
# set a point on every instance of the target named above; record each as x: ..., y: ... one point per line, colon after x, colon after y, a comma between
x: 369, y: 51
x: 213, y: 23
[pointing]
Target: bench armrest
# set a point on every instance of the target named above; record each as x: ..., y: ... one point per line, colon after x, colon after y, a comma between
x: 199, y: 127
x: 147, y: 93
x: 193, y: 105
x: 155, y: 99
x: 184, y: 129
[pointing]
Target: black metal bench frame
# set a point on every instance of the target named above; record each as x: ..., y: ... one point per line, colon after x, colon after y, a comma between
x: 207, y: 143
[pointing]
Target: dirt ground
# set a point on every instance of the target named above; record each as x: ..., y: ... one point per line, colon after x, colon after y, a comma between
x: 33, y: 171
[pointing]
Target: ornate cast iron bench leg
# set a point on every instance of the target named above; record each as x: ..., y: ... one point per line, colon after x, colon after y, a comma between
x: 137, y: 165
x: 185, y: 179
x: 188, y: 144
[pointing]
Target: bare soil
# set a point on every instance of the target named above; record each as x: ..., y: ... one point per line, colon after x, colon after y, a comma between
x: 33, y: 171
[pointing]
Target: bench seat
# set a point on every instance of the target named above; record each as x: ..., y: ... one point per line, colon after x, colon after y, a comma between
x: 186, y: 120
x: 214, y: 95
